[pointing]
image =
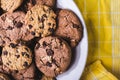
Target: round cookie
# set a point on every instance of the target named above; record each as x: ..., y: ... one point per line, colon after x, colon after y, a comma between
x: 40, y: 20
x: 69, y: 27
x: 52, y: 56
x: 16, y: 56
x: 3, y: 77
x: 12, y: 28
x: 10, y: 5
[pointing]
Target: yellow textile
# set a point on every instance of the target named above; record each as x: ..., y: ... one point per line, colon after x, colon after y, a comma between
x: 97, y: 72
x: 102, y: 19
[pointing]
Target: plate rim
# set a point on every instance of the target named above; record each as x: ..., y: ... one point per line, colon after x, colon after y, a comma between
x: 85, y: 32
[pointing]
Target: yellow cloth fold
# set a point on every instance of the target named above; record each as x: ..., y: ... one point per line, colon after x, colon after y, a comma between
x: 96, y: 71
x: 102, y: 20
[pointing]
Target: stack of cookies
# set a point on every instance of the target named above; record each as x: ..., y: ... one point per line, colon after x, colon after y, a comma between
x: 36, y: 39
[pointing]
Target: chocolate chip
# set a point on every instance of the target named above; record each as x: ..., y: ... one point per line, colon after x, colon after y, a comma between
x: 48, y: 64
x: 17, y: 56
x: 26, y: 49
x: 13, y: 45
x: 10, y: 27
x: 53, y: 60
x: 41, y: 19
x: 76, y: 26
x: 25, y: 64
x: 31, y: 19
x: 5, y: 53
x: 7, y: 63
x: 44, y: 44
x: 49, y: 24
x: 50, y: 52
x: 23, y: 53
x: 14, y: 22
x: 33, y: 33
x: 3, y: 42
x: 19, y: 24
x: 30, y: 26
x: 27, y: 55
x: 3, y: 18
x: 37, y: 45
x: 44, y: 15
x: 51, y: 29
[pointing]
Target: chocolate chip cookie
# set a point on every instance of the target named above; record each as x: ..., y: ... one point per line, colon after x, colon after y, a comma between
x: 40, y: 20
x: 16, y: 56
x: 12, y: 28
x: 3, y: 77
x: 69, y: 27
x: 10, y: 5
x: 52, y: 56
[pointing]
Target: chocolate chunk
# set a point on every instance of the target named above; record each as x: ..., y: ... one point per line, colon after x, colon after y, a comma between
x: 76, y: 26
x: 30, y: 26
x: 33, y: 33
x: 13, y: 45
x: 26, y: 49
x: 44, y: 15
x: 41, y: 19
x: 51, y: 29
x: 3, y: 18
x: 24, y: 53
x: 31, y: 19
x: 17, y: 56
x: 49, y: 24
x: 44, y: 44
x: 19, y: 24
x: 37, y: 45
x: 50, y: 52
x: 5, y: 52
x: 7, y: 63
x: 25, y: 64
x: 48, y: 64
x: 10, y: 27
x: 53, y: 60
x: 14, y: 22
x: 27, y: 55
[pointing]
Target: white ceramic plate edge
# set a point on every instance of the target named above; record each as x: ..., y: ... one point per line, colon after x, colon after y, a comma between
x: 76, y: 70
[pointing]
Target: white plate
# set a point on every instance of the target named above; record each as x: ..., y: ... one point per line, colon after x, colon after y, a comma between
x: 76, y: 69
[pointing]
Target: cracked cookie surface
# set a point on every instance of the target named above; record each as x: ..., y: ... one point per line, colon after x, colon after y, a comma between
x: 12, y: 28
x: 40, y: 20
x: 52, y: 56
x: 10, y: 5
x: 16, y: 56
x: 69, y: 27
